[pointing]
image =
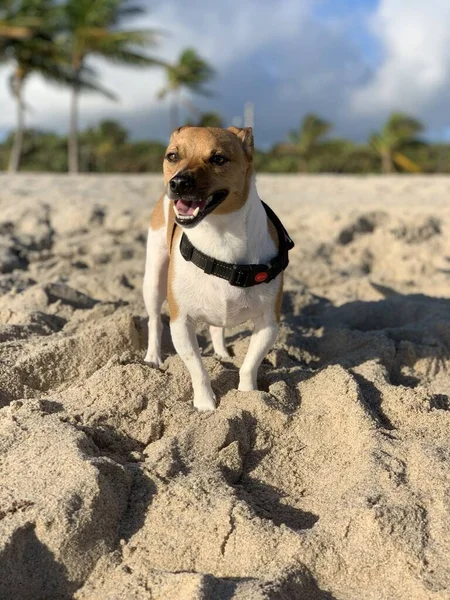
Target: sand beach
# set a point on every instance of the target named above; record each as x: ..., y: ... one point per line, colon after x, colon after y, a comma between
x: 331, y: 483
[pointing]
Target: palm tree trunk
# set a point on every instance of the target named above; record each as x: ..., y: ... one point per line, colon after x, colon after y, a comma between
x: 191, y: 108
x: 303, y: 164
x: 386, y: 161
x: 73, y: 151
x: 16, y: 151
x: 174, y: 113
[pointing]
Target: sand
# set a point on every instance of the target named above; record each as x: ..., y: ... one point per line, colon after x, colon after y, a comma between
x: 330, y: 483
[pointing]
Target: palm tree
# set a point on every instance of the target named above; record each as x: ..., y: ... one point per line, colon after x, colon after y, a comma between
x: 92, y: 30
x: 102, y: 141
x: 26, y: 40
x: 210, y: 119
x: 190, y: 72
x: 307, y: 138
x: 399, y: 131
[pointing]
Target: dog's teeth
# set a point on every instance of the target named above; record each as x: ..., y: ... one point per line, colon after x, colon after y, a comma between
x: 209, y: 199
x: 196, y: 211
x: 176, y: 210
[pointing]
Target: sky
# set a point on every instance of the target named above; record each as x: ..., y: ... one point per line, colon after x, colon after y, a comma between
x: 352, y: 62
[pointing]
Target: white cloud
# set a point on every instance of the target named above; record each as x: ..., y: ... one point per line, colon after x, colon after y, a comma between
x: 415, y: 72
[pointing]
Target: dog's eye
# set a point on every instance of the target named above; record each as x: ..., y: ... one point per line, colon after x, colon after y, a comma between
x: 218, y: 159
x: 172, y: 157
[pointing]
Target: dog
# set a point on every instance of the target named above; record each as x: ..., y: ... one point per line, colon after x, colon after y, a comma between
x: 215, y: 251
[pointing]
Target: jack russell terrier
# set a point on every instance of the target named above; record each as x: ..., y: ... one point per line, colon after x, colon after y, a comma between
x: 216, y: 251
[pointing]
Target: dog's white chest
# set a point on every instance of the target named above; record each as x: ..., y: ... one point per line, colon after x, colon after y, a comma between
x: 213, y: 300
x: 239, y: 238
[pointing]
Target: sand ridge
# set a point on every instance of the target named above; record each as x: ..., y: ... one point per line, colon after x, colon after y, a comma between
x: 332, y: 482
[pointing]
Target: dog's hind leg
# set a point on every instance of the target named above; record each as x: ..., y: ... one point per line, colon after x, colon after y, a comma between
x: 155, y: 284
x: 218, y: 341
x: 263, y: 337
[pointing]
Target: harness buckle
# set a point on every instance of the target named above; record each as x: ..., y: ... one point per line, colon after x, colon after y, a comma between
x: 239, y: 275
x: 247, y: 275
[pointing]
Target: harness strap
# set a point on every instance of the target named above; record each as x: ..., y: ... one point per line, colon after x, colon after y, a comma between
x: 243, y: 275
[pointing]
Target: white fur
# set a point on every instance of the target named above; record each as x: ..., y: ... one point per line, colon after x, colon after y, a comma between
x: 239, y: 237
x: 218, y: 341
x: 155, y: 289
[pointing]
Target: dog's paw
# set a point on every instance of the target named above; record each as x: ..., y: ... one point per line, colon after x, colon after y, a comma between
x: 205, y: 402
x: 247, y: 385
x: 153, y: 360
x: 222, y: 353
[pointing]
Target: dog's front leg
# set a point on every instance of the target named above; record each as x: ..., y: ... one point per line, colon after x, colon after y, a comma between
x: 263, y: 337
x: 155, y: 291
x: 186, y: 345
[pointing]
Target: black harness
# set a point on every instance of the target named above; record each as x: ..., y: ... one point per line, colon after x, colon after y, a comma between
x: 243, y: 275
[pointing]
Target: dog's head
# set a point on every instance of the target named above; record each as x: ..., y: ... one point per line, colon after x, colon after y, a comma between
x: 207, y: 169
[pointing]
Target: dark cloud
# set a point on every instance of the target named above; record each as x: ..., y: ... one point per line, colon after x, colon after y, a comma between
x: 305, y: 67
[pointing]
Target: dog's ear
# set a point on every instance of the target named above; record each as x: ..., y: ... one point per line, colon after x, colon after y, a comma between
x: 246, y: 137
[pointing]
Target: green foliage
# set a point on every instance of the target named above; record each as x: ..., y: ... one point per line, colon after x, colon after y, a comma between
x: 210, y: 119
x: 311, y: 130
x: 91, y: 28
x: 191, y: 72
x: 106, y: 132
x: 399, y: 132
x: 27, y: 42
x: 54, y: 38
x: 42, y: 151
x: 400, y: 129
x: 104, y: 148
x: 107, y: 148
x: 306, y: 141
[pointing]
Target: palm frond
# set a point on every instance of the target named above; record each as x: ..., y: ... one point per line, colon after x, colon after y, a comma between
x: 190, y: 72
x: 87, y: 85
x: 127, y: 57
x: 406, y: 163
x: 131, y: 10
x: 97, y: 35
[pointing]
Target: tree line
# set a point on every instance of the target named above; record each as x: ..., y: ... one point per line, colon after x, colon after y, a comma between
x: 107, y: 147
x: 57, y: 38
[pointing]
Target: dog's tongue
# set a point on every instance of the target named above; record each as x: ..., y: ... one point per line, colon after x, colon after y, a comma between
x: 187, y: 207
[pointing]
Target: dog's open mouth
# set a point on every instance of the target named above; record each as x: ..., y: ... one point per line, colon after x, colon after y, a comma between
x: 189, y: 212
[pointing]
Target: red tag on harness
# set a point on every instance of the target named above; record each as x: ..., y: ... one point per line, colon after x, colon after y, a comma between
x: 260, y: 277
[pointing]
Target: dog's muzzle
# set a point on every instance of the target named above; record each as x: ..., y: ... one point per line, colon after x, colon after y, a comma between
x: 190, y: 210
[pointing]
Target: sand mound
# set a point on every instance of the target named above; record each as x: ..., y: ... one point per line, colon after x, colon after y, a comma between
x: 330, y: 483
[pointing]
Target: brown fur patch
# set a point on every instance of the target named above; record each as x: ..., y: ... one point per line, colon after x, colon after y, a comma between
x: 246, y: 137
x: 157, y: 220
x: 273, y: 232
x: 235, y: 201
x: 171, y: 225
x: 279, y: 299
x: 174, y: 309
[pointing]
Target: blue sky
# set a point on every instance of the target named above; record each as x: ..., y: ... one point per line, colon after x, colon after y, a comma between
x: 350, y: 61
x: 353, y: 17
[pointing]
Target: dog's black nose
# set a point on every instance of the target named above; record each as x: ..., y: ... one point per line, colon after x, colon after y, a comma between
x: 182, y: 184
